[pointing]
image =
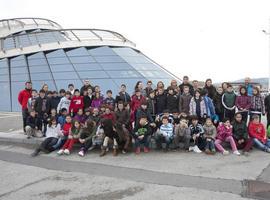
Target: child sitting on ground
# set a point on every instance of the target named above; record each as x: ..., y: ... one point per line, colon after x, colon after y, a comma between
x: 224, y: 134
x: 182, y: 134
x: 73, y: 137
x: 196, y: 131
x: 210, y: 133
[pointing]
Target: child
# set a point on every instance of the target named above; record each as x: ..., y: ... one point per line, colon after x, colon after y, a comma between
x: 224, y: 134
x: 54, y: 101
x: 161, y: 101
x: 143, y: 111
x: 64, y: 102
x: 80, y: 117
x: 140, y: 134
x: 196, y: 131
x: 136, y: 101
x: 87, y: 97
x: 197, y: 105
x: 240, y: 134
x: 243, y: 103
x: 258, y: 133
x: 228, y: 101
x: 123, y: 137
x: 110, y: 137
x: 210, y: 133
x: 32, y: 127
x: 73, y: 137
x: 95, y: 116
x: 97, y: 100
x: 31, y: 101
x: 86, y: 136
x: 53, y: 132
x: 172, y: 100
x: 217, y: 101
x: 151, y: 104
x: 165, y: 134
x: 76, y: 103
x: 109, y: 100
x: 257, y: 103
x: 184, y: 101
x: 62, y: 117
x: 122, y: 115
x: 108, y: 114
x: 182, y: 134
x: 65, y: 132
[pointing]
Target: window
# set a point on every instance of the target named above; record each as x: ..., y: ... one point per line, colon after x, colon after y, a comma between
x: 124, y: 74
x: 63, y: 84
x: 82, y: 59
x: 62, y: 68
x: 87, y: 66
x: 39, y: 69
x: 108, y: 59
x: 55, y: 61
x: 64, y: 76
x: 77, y: 52
x: 155, y: 74
x: 116, y: 66
x: 41, y: 76
x: 145, y: 66
x: 55, y: 54
x: 102, y: 51
x: 92, y: 74
x: 16, y: 87
x: 18, y: 69
x: 124, y: 51
x: 5, y: 103
x: 39, y: 61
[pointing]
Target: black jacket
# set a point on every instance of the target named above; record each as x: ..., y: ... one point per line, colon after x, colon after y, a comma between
x: 54, y: 101
x: 191, y: 90
x: 172, y: 102
x: 123, y: 97
x: 267, y: 103
x: 39, y: 103
x: 141, y: 130
x: 33, y: 122
x: 161, y: 103
x: 140, y: 112
x: 87, y: 101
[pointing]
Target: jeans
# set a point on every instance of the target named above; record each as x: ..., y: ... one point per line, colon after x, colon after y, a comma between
x: 246, y: 146
x: 260, y: 145
x: 144, y: 141
x: 48, y: 144
x: 210, y: 145
x: 85, y: 146
x: 60, y: 142
x: 164, y: 139
x: 25, y: 114
x: 184, y: 139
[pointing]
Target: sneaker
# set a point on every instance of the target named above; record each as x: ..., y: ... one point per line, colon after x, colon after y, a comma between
x: 60, y: 152
x: 66, y: 151
x: 225, y: 152
x: 145, y: 150
x: 207, y: 151
x: 81, y: 153
x: 196, y: 149
x: 138, y: 150
x: 236, y: 153
x: 190, y: 148
x: 124, y: 151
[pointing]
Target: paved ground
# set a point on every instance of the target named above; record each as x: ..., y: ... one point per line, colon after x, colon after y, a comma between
x: 157, y: 175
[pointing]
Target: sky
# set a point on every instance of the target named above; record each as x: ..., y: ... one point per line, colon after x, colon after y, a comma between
x: 218, y: 39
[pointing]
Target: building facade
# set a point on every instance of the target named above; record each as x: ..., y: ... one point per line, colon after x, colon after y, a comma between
x: 41, y: 51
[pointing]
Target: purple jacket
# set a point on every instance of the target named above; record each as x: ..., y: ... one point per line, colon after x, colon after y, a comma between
x: 96, y: 103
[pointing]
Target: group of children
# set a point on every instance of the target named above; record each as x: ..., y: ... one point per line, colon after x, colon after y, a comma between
x: 180, y: 117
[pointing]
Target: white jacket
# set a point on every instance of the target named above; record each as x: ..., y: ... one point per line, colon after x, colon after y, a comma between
x: 53, y: 131
x: 64, y: 103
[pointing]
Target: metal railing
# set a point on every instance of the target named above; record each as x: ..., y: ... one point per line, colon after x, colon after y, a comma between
x: 58, y: 36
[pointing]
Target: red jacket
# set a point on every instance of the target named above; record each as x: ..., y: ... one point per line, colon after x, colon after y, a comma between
x: 109, y: 116
x: 23, y: 97
x: 257, y: 131
x: 136, y: 102
x: 66, y: 128
x: 76, y: 103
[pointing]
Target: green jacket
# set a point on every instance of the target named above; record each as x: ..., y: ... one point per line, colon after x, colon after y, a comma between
x: 240, y: 130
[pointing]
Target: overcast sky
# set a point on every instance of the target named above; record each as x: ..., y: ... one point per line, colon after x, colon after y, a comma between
x: 221, y: 39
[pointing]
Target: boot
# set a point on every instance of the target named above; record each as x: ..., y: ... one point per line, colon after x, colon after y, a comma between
x: 35, y: 153
x: 103, y: 151
x: 115, y: 152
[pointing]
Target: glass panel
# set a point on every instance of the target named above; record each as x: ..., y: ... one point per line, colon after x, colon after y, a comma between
x: 38, y: 84
x: 16, y: 87
x: 19, y: 77
x: 38, y: 69
x: 102, y: 51
x: 4, y: 78
x: 41, y: 76
x: 105, y: 84
x: 105, y: 59
x: 62, y: 68
x: 116, y: 66
x: 124, y: 74
x: 136, y: 59
x: 64, y: 76
x: 124, y: 51
x: 5, y: 103
x: 145, y: 66
x: 92, y: 74
x: 36, y: 56
x: 155, y: 74
x: 130, y: 83
x: 82, y: 59
x: 77, y: 52
x: 4, y: 71
x: 58, y: 53
x: 9, y: 43
x: 63, y: 60
x: 39, y: 61
x: 19, y: 70
x: 63, y: 84
x: 88, y: 66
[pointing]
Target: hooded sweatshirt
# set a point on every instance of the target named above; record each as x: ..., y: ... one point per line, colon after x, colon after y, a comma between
x: 257, y: 130
x: 223, y: 132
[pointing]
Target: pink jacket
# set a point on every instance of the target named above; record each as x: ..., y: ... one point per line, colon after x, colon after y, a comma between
x: 223, y: 132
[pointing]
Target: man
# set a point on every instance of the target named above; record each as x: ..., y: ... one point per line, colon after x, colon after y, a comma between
x: 23, y: 97
x: 249, y: 86
x: 86, y: 86
x: 186, y: 84
x: 123, y: 95
x: 148, y: 88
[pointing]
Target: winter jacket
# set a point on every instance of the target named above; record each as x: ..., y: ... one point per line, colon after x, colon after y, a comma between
x: 76, y: 104
x: 87, y: 101
x: 42, y: 106
x: 64, y: 103
x: 95, y: 118
x: 110, y: 116
x: 267, y: 103
x: 210, y: 131
x: 122, y: 117
x: 240, y: 130
x: 31, y: 103
x: 243, y: 102
x: 136, y: 102
x: 198, y: 129
x: 123, y: 97
x: 80, y: 118
x: 217, y: 101
x: 141, y: 130
x: 23, y: 97
x: 172, y: 102
x: 109, y: 101
x: 53, y: 131
x: 87, y: 134
x: 166, y: 130
x: 151, y: 105
x: 66, y: 128
x: 228, y: 100
x: 141, y: 112
x: 184, y: 101
x: 257, y: 104
x: 211, y: 91
x: 257, y: 131
x: 33, y: 122
x: 210, y: 109
x: 96, y: 103
x: 148, y: 90
x: 223, y: 132
x: 181, y: 132
x: 161, y: 103
x: 54, y: 101
x: 193, y: 104
x: 191, y: 90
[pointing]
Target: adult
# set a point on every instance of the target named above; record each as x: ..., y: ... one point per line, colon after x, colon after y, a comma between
x: 23, y: 97
x: 174, y: 86
x: 45, y: 87
x: 123, y: 95
x: 249, y: 86
x: 186, y: 83
x: 86, y: 86
x: 195, y: 85
x: 139, y: 86
x: 211, y: 90
x: 148, y: 89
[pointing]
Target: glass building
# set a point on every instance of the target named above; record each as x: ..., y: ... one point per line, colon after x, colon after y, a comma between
x: 41, y: 51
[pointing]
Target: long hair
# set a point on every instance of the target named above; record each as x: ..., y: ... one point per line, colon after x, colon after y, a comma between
x: 73, y: 128
x: 51, y: 120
